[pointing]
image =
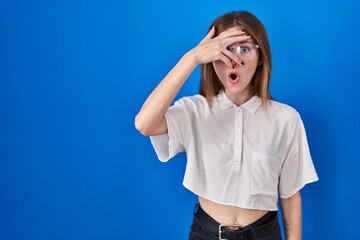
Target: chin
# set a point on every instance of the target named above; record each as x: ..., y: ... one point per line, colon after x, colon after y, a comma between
x: 235, y: 90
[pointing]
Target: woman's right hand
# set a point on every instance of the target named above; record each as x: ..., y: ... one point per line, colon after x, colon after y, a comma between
x: 151, y: 120
x: 212, y: 48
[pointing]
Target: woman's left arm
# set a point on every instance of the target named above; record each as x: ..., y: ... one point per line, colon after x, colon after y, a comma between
x: 292, y: 216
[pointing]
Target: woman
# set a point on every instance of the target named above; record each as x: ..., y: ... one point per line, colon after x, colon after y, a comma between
x: 244, y: 150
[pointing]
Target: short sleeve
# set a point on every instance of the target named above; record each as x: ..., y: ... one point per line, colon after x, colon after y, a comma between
x: 173, y: 142
x: 298, y: 168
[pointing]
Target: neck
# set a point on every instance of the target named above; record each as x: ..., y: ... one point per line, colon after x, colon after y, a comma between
x: 239, y: 99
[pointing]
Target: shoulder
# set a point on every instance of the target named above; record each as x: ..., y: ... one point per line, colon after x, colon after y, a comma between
x: 192, y: 102
x: 283, y: 112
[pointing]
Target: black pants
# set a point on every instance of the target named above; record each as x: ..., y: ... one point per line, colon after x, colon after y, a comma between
x: 205, y: 227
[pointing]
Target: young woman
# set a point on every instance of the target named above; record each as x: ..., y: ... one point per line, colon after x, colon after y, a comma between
x: 244, y: 150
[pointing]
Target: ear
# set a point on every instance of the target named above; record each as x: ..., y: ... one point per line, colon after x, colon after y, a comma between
x: 260, y: 61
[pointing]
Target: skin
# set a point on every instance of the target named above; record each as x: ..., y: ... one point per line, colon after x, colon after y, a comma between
x: 292, y: 216
x: 238, y: 91
x: 150, y: 120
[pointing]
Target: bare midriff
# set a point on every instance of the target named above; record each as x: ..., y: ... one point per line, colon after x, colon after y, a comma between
x: 226, y: 214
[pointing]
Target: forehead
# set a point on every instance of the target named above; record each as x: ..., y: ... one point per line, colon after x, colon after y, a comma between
x: 234, y: 29
x: 231, y: 29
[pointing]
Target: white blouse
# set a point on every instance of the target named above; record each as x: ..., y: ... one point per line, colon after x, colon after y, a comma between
x: 240, y: 156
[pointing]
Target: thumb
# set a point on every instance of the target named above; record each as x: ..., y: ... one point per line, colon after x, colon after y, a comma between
x: 211, y: 33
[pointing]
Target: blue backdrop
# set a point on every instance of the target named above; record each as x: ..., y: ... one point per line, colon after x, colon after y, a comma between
x: 73, y: 75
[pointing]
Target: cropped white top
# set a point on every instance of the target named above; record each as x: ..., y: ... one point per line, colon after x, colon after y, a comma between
x: 239, y: 156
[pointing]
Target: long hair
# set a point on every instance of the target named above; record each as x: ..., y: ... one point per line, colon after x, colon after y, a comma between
x: 210, y: 84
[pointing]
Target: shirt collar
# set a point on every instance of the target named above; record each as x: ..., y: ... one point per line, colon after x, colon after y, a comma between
x: 251, y: 105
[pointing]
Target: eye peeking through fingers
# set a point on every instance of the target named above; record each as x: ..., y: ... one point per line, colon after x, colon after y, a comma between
x: 245, y: 50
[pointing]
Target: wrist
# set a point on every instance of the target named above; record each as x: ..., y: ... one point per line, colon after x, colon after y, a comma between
x: 190, y: 56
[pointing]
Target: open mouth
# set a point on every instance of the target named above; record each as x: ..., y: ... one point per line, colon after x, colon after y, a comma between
x: 233, y: 77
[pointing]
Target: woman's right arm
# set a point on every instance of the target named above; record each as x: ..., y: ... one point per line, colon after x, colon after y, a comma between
x: 150, y: 121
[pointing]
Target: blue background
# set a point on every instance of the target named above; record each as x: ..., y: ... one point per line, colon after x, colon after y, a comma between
x: 73, y: 75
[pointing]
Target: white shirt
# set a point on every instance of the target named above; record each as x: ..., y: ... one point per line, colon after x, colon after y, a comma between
x: 239, y: 156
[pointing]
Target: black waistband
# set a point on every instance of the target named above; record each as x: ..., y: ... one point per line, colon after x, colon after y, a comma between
x: 259, y: 228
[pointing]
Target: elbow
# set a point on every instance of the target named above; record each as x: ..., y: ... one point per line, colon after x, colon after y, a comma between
x: 148, y: 126
x: 140, y: 125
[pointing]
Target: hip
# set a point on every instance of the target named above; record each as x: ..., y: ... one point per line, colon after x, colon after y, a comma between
x: 205, y: 227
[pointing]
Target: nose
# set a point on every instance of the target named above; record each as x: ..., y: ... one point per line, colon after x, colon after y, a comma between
x: 234, y: 63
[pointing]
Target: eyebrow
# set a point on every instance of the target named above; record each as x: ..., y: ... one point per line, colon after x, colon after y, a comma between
x: 244, y: 42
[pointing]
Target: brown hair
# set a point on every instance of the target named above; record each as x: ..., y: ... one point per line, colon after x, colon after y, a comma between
x: 210, y: 84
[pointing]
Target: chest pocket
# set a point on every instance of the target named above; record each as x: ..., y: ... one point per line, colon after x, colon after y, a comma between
x: 265, y: 171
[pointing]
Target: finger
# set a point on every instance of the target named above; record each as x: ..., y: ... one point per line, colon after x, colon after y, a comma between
x: 231, y: 56
x: 226, y: 60
x: 232, y: 33
x: 231, y: 40
x: 211, y: 33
